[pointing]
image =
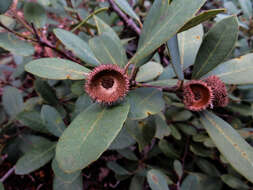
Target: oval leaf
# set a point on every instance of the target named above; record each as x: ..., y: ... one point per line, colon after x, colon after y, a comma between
x: 172, y: 45
x: 11, y: 43
x: 89, y: 135
x: 35, y: 158
x: 108, y: 50
x: 57, y: 69
x: 190, y: 183
x: 217, y: 46
x: 149, y: 71
x: 145, y: 102
x: 235, y: 149
x: 156, y: 30
x: 157, y: 180
x: 189, y: 42
x: 12, y: 101
x: 32, y: 120
x: 124, y: 6
x: 235, y: 71
x: 104, y: 27
x: 77, y: 46
x: 52, y: 120
x: 202, y: 17
x: 35, y: 13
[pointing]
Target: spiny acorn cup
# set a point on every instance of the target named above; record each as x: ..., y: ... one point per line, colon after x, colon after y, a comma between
x: 197, y: 95
x: 219, y: 91
x: 107, y: 84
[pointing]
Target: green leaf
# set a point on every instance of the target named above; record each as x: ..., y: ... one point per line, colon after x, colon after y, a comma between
x: 35, y: 13
x: 16, y: 46
x: 234, y: 148
x: 46, y: 92
x: 235, y: 71
x: 156, y: 30
x: 217, y: 46
x: 1, y: 186
x: 59, y: 184
x: 234, y: 182
x: 164, y: 83
x: 162, y: 128
x: 104, y: 27
x: 32, y: 120
x: 107, y: 50
x: 128, y: 154
x: 124, y: 6
x: 189, y: 42
x: 231, y: 8
x: 137, y: 183
x: 12, y: 101
x: 52, y: 120
x: 29, y: 142
x: 116, y: 168
x: 246, y: 7
x: 178, y: 168
x: 65, y: 177
x: 35, y: 159
x: 123, y: 139
x: 57, y: 69
x: 168, y: 149
x: 77, y: 46
x: 210, y: 183
x: 202, y: 17
x: 89, y: 135
x: 207, y: 167
x: 136, y: 131
x: 83, y: 102
x: 77, y: 87
x: 145, y: 102
x: 190, y: 183
x: 7, y: 21
x: 168, y: 73
x: 149, y: 71
x: 157, y: 180
x: 172, y: 45
x: 5, y: 5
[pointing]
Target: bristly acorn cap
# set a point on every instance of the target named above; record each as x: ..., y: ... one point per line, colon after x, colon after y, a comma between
x: 219, y: 91
x: 107, y: 84
x: 197, y: 95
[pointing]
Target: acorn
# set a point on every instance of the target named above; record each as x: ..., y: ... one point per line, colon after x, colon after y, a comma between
x: 197, y: 95
x: 107, y: 84
x: 219, y: 91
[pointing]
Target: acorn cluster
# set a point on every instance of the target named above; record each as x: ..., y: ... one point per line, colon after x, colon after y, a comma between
x: 199, y: 95
x: 107, y: 84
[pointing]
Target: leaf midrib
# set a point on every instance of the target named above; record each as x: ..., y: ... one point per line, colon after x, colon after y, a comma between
x: 211, y: 53
x: 93, y: 125
x: 243, y: 153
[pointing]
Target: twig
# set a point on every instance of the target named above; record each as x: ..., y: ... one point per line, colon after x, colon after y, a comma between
x: 88, y: 17
x: 7, y: 174
x: 16, y: 33
x: 128, y: 21
x: 47, y: 44
x: 20, y: 20
x: 78, y: 17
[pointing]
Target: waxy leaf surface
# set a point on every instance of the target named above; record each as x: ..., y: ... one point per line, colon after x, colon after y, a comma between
x: 89, y: 135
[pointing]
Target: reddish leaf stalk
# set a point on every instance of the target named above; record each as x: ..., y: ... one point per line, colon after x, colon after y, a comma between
x: 128, y: 21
